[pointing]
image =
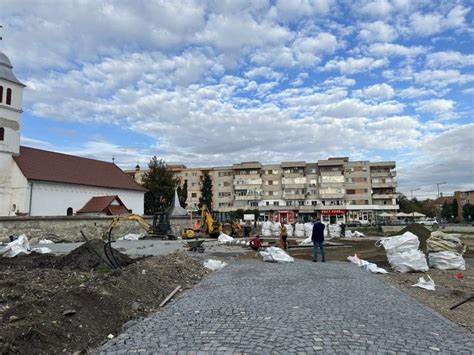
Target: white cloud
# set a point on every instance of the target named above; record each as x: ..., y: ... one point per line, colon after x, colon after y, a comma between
x: 442, y: 78
x: 448, y: 59
x: 354, y: 65
x: 391, y: 49
x: 442, y: 109
x: 447, y: 156
x: 263, y: 72
x: 378, y: 91
x: 428, y: 24
x: 339, y: 81
x: 378, y: 9
x: 377, y: 31
x: 308, y: 50
x: 412, y: 92
x: 241, y: 32
x: 295, y: 9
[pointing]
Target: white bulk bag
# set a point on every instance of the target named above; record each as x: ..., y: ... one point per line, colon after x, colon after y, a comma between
x: 299, y: 230
x: 275, y: 254
x: 308, y: 229
x: 408, y: 261
x: 275, y: 228
x: 400, y: 243
x: 446, y: 260
x: 224, y: 238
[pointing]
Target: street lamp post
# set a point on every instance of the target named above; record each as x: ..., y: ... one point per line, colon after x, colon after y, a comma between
x: 440, y: 183
x: 439, y: 204
x: 411, y: 192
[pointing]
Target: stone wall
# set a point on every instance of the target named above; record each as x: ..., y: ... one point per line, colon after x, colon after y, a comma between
x: 69, y: 227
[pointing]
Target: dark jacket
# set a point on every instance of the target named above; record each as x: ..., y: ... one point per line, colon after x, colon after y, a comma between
x: 318, y: 232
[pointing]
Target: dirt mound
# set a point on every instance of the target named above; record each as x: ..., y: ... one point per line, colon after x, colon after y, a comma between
x: 51, y: 310
x: 420, y: 231
x: 93, y: 255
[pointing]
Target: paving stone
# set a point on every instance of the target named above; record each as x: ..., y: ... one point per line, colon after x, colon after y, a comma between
x: 251, y: 307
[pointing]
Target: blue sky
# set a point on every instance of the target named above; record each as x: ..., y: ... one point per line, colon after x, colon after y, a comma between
x: 208, y: 83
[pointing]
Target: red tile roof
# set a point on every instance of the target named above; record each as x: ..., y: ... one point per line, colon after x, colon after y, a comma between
x: 43, y: 165
x: 103, y: 204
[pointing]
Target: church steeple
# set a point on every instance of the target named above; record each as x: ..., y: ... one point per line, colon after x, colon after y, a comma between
x: 11, y: 105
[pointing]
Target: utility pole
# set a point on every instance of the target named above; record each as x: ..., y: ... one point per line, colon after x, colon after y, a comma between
x: 411, y: 192
x: 439, y: 183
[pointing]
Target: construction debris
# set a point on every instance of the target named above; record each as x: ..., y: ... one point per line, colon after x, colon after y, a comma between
x: 427, y: 284
x: 92, y: 256
x: 275, y: 254
x: 403, y: 254
x: 21, y: 246
x: 45, y: 296
x: 168, y: 298
x: 214, y: 265
x: 366, y: 265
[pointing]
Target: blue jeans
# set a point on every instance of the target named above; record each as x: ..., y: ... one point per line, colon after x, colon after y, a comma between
x: 320, y: 244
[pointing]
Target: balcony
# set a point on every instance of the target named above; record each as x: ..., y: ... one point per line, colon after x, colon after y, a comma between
x: 331, y: 195
x: 385, y: 196
x: 385, y: 173
x: 294, y: 186
x: 294, y: 196
x: 248, y: 198
x: 376, y: 185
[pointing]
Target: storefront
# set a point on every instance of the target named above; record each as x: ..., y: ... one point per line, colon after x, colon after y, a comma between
x: 364, y: 216
x: 284, y: 216
x: 333, y: 216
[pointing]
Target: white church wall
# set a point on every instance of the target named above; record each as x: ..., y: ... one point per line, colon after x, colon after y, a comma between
x: 11, y: 141
x: 53, y: 199
x: 13, y: 187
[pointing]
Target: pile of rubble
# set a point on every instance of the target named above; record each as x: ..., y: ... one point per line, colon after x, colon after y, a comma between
x: 51, y: 304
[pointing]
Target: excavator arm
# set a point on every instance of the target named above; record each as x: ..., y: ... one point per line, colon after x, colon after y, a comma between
x: 132, y: 217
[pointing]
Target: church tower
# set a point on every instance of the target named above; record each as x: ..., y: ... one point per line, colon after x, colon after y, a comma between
x: 11, y: 102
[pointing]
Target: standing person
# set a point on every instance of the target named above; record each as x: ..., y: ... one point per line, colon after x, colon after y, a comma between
x: 283, y: 236
x: 318, y: 239
x: 343, y: 230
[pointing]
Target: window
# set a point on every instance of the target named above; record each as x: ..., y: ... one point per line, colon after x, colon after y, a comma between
x: 69, y: 211
x: 1, y: 94
x: 9, y: 97
x: 195, y: 174
x: 253, y: 204
x: 194, y: 194
x: 267, y: 203
x: 276, y: 203
x: 2, y: 134
x: 314, y: 203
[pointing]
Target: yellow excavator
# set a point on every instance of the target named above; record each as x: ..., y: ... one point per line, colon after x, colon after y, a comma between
x: 213, y: 225
x: 161, y: 226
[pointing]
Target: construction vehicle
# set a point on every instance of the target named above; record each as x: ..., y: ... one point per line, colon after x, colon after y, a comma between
x: 188, y: 233
x: 208, y: 224
x: 161, y: 225
x: 219, y: 222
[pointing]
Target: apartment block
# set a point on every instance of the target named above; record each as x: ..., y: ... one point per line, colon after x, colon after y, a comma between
x: 335, y: 189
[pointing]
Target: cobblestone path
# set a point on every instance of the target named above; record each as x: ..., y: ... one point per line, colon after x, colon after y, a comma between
x: 255, y: 307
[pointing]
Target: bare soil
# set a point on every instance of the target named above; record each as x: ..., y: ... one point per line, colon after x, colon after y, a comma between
x: 49, y: 305
x: 449, y: 290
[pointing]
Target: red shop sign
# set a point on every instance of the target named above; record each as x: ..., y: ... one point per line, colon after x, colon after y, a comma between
x: 333, y: 212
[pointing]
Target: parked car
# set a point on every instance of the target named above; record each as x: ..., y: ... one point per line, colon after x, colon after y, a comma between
x: 354, y: 223
x: 429, y: 222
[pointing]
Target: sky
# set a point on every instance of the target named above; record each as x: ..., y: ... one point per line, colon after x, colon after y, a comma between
x: 209, y: 83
